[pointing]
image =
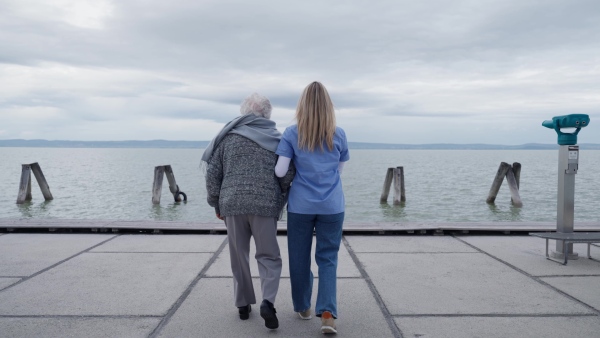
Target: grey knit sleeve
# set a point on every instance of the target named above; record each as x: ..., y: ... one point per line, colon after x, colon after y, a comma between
x: 214, y: 178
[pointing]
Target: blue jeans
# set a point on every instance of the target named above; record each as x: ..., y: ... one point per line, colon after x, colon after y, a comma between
x: 328, y: 229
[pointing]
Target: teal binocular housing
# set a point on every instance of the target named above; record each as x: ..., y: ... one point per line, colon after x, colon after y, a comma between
x: 576, y: 121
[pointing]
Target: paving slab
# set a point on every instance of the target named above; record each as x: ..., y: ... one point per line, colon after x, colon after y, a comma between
x: 412, y: 244
x: 209, y: 310
x: 585, y: 289
x: 222, y: 266
x: 26, y: 254
x: 529, y: 254
x: 162, y: 243
x: 106, y: 284
x: 77, y: 327
x: 460, y: 284
x: 500, y: 327
x: 4, y: 282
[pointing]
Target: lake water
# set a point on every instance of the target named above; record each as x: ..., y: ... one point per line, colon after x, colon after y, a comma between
x: 441, y: 185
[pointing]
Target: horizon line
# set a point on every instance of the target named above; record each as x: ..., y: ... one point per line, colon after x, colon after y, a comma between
x: 208, y: 141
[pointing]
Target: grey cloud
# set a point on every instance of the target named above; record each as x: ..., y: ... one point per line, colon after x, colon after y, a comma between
x: 284, y: 100
x: 357, y: 38
x: 399, y: 111
x: 423, y: 59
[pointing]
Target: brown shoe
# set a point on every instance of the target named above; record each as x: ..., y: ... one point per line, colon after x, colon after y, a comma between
x: 327, y: 323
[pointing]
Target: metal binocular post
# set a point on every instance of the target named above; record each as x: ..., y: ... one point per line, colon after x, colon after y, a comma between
x: 568, y: 164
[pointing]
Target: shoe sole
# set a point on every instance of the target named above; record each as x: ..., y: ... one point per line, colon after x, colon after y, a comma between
x: 304, y: 318
x: 328, y: 329
x: 271, y: 321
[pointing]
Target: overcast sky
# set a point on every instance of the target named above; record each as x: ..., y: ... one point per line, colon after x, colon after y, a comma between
x: 472, y: 71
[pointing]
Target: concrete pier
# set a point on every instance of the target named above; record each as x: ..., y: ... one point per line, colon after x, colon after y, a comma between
x: 144, y: 285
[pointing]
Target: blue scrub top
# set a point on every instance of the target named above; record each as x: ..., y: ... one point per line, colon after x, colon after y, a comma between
x: 317, y: 187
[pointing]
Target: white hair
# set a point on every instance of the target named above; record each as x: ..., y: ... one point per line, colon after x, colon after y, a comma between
x: 256, y: 104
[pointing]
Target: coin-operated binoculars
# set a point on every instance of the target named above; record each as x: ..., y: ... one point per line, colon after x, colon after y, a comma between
x: 568, y: 163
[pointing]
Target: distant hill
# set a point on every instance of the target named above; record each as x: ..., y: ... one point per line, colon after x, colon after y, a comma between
x: 473, y: 146
x: 203, y: 144
x: 103, y: 144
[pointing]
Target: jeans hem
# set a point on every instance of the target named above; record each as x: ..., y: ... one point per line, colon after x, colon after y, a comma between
x: 332, y: 314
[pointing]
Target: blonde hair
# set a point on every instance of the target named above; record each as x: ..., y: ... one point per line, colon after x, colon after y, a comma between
x: 315, y: 117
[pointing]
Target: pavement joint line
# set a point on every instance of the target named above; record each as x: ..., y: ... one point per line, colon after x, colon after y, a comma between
x: 81, y: 316
x: 537, y: 279
x: 386, y: 313
x: 416, y: 253
x: 165, y: 320
x: 57, y: 264
x: 150, y: 252
x: 559, y: 276
x: 226, y: 277
x: 282, y: 277
x: 498, y: 315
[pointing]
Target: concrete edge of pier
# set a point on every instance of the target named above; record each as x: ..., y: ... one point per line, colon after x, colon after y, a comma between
x: 391, y: 228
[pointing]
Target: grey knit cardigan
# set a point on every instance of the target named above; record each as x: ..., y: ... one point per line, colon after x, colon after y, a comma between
x: 240, y: 179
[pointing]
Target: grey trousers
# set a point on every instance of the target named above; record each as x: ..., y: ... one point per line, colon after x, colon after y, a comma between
x: 264, y: 230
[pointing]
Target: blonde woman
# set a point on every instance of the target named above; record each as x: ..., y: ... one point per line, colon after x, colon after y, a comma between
x: 318, y: 149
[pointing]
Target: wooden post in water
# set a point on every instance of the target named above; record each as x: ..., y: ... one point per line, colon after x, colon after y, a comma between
x: 159, y: 172
x: 172, y: 183
x: 395, y: 175
x: 512, y: 174
x: 514, y: 189
x: 502, y: 170
x: 402, y: 190
x: 399, y: 194
x: 516, y: 169
x: 389, y: 177
x: 41, y: 179
x: 25, y: 184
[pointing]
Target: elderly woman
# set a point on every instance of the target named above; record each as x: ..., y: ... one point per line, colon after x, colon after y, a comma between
x: 245, y: 192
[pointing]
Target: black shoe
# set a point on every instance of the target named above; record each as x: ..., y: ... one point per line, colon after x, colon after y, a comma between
x: 267, y: 311
x: 245, y: 311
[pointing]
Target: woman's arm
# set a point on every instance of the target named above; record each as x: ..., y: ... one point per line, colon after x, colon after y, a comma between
x: 341, y: 167
x: 282, y: 166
